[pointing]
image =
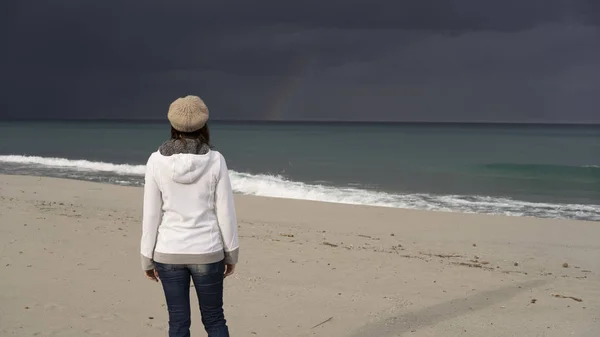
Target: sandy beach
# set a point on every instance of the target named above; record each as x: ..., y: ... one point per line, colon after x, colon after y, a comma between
x: 69, y: 255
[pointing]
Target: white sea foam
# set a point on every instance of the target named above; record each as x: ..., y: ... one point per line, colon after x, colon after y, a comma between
x: 279, y: 187
x: 80, y: 165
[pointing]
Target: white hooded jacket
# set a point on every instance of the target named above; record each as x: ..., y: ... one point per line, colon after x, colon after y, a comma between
x: 189, y: 213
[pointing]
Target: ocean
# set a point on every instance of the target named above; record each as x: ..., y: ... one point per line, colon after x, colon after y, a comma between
x: 548, y: 171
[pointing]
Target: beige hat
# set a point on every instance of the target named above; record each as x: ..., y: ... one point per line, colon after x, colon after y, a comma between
x: 188, y: 114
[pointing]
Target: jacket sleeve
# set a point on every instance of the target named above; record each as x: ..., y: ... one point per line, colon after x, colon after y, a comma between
x: 151, y: 218
x: 226, y: 215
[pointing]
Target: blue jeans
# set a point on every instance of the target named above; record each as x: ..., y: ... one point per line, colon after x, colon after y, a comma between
x: 208, y: 282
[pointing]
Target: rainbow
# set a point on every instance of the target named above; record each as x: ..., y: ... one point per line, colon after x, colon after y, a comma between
x: 278, y: 104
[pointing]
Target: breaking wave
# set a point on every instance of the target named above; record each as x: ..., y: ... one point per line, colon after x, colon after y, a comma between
x: 280, y: 187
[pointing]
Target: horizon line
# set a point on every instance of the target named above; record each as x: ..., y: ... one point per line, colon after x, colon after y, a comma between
x: 255, y: 121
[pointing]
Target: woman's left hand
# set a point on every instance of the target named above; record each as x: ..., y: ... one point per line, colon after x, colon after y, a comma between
x: 152, y: 275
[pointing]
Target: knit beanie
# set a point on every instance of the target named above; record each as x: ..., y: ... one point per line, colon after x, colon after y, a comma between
x: 188, y: 114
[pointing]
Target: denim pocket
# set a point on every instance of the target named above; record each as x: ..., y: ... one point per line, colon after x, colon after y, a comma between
x: 207, y: 269
x: 164, y: 266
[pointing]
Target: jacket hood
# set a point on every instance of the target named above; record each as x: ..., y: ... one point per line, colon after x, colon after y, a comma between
x: 188, y: 160
x: 188, y: 168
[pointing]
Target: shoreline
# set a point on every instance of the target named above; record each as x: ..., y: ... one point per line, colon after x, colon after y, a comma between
x: 70, y: 254
x: 461, y: 204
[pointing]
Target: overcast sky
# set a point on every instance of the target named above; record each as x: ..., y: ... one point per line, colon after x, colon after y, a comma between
x: 425, y: 60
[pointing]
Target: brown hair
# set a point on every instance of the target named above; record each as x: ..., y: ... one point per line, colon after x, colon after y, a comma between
x: 203, y: 135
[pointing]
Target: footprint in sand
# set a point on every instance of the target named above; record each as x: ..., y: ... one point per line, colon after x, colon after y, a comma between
x: 53, y: 306
x: 92, y: 332
x: 104, y: 317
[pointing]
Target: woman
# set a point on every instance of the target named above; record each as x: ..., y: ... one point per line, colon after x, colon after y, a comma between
x: 189, y: 225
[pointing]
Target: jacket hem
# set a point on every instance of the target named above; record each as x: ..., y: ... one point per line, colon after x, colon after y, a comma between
x: 207, y: 258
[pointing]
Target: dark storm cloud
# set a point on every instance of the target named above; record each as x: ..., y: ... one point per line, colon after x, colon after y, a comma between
x: 535, y: 60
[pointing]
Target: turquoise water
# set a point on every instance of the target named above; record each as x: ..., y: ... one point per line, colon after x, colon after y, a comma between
x: 545, y: 171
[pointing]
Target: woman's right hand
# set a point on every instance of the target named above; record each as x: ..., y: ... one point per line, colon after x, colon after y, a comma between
x: 229, y: 269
